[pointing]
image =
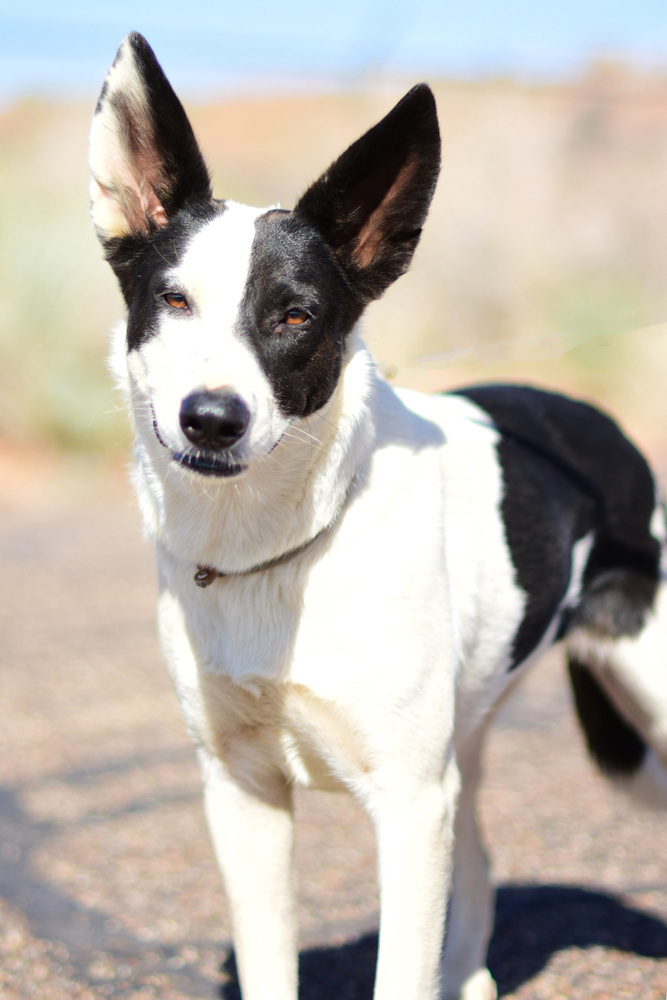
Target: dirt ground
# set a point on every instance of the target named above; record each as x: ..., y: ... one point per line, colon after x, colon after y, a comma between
x: 108, y: 886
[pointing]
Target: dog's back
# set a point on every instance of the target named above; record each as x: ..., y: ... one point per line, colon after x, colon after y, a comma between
x: 575, y: 490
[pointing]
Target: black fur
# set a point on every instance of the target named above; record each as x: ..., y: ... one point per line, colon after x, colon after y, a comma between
x: 351, y: 234
x: 615, y: 746
x: 291, y: 267
x: 379, y: 192
x: 568, y: 470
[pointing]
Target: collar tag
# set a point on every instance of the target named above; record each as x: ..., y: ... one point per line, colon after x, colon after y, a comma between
x: 205, y: 576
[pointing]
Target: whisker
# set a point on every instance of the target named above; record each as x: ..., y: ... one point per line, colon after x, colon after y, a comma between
x: 300, y: 434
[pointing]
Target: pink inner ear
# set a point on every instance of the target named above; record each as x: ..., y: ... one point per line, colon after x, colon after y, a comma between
x: 152, y: 206
x: 137, y: 170
x: 377, y: 225
x: 132, y: 203
x: 143, y: 179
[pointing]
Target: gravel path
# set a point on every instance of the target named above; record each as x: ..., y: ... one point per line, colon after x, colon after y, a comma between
x: 107, y: 882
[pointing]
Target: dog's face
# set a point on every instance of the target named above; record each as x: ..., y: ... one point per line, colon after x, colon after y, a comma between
x: 236, y: 331
x: 238, y: 317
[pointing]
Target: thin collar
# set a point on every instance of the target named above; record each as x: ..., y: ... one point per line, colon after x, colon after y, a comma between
x: 206, y: 575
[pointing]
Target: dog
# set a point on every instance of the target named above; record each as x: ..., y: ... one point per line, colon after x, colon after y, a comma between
x: 350, y: 576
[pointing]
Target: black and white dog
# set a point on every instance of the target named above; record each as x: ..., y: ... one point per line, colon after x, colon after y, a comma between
x: 350, y: 576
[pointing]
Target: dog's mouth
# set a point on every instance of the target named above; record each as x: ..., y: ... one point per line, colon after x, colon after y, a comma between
x: 201, y: 462
x: 208, y: 465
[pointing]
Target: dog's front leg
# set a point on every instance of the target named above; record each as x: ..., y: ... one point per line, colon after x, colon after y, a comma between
x: 464, y: 974
x: 415, y: 838
x: 253, y: 839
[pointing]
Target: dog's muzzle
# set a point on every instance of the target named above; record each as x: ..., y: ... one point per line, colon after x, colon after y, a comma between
x: 213, y: 421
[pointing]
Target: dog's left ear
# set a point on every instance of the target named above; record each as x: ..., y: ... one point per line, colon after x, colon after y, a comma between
x: 371, y: 203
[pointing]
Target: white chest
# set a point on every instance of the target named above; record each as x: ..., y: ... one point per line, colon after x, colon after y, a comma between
x: 380, y: 627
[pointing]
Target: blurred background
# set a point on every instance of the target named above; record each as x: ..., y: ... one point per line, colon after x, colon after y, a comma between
x: 545, y: 257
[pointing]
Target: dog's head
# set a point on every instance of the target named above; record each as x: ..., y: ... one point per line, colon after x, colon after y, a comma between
x: 238, y: 317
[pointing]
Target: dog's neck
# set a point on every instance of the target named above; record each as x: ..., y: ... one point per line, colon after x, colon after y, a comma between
x: 279, y: 503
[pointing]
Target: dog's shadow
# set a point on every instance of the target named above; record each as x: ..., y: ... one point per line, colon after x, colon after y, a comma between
x: 532, y: 923
x: 535, y: 922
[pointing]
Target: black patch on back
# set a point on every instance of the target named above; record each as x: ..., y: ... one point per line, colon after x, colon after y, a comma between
x: 568, y: 470
x: 292, y: 267
x: 614, y: 745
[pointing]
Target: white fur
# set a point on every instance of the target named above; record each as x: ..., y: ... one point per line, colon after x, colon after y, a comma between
x: 344, y: 667
x: 200, y: 348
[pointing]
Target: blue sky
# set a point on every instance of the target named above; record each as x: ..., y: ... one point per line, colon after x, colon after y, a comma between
x: 63, y: 47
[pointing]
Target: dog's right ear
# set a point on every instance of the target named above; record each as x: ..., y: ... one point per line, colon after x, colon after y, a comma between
x: 144, y: 157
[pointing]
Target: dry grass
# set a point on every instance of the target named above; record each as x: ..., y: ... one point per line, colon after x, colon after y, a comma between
x: 545, y: 256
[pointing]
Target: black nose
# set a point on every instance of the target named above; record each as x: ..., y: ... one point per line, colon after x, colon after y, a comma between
x: 214, y: 419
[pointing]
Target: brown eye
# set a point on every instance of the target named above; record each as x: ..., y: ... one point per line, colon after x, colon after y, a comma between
x: 175, y: 300
x: 295, y: 317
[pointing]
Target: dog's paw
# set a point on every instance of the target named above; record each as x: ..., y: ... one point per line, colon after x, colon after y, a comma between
x: 480, y: 986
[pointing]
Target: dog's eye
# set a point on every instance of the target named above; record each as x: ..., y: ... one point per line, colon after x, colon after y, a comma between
x: 295, y: 317
x: 175, y: 300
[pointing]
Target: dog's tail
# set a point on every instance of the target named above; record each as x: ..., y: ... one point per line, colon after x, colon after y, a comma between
x: 617, y: 660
